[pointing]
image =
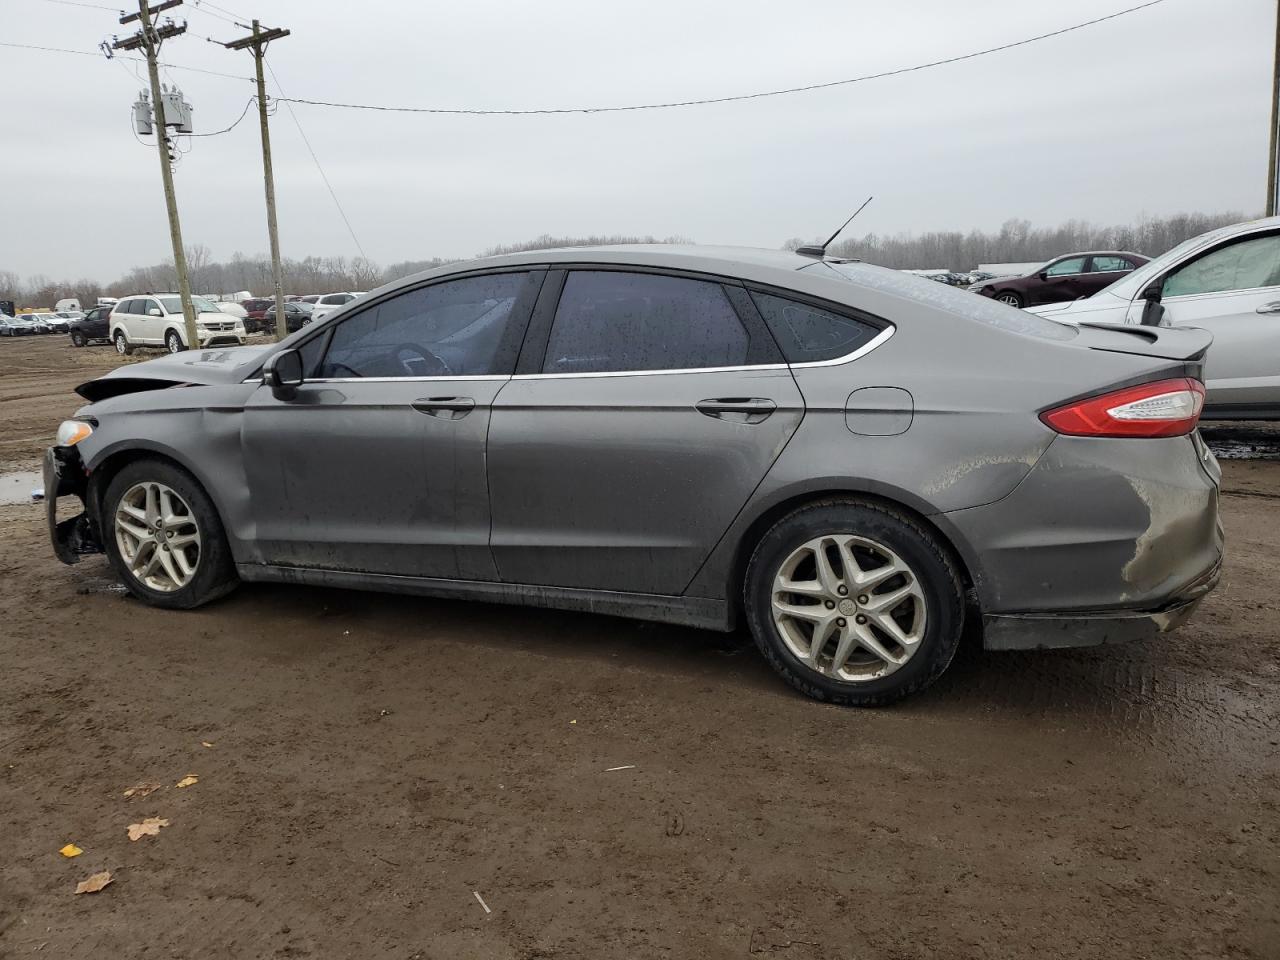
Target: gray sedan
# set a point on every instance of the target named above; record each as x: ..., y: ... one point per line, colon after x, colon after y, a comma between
x: 852, y: 462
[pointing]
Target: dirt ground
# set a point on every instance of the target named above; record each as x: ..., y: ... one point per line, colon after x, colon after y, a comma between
x: 371, y: 767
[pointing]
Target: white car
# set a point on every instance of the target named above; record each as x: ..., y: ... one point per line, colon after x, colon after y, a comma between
x: 330, y: 302
x: 232, y: 309
x: 155, y: 320
x: 1226, y: 281
x: 55, y: 322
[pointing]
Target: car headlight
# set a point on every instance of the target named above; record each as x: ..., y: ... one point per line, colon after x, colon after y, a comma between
x: 71, y: 432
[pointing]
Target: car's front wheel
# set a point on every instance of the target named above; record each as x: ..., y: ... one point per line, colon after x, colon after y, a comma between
x: 123, y: 346
x: 77, y: 339
x: 1009, y: 297
x: 164, y: 537
x: 173, y: 343
x: 854, y: 602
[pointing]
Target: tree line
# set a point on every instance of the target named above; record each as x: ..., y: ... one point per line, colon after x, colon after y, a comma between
x: 1016, y: 241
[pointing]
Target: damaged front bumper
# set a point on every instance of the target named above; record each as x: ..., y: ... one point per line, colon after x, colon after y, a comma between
x: 64, y: 476
x: 1092, y: 629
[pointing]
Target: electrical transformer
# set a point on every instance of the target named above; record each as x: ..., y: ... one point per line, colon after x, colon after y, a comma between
x: 142, y: 114
x: 177, y: 112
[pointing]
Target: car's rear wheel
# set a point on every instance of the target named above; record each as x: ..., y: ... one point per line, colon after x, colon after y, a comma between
x: 123, y: 346
x: 164, y: 537
x: 854, y: 602
x: 77, y: 339
x: 1009, y: 297
x: 173, y: 343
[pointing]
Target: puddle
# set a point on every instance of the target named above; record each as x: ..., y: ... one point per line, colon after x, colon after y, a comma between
x: 1232, y: 449
x: 16, y: 487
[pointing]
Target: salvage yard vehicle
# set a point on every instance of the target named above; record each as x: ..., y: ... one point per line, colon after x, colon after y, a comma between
x: 94, y: 325
x: 851, y: 461
x: 12, y: 327
x: 1065, y: 278
x: 1226, y: 281
x: 156, y: 320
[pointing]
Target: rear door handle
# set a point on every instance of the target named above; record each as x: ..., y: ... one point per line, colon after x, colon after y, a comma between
x: 1273, y: 307
x: 737, y: 409
x: 446, y: 408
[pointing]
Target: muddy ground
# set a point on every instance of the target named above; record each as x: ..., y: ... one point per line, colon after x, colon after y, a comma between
x: 368, y: 764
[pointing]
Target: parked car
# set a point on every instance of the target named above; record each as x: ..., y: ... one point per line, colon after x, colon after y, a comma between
x: 1066, y: 278
x: 156, y: 320
x: 12, y: 327
x: 849, y: 460
x: 93, y: 326
x: 979, y: 276
x: 231, y: 309
x: 331, y: 302
x: 34, y: 323
x: 296, y: 316
x: 1226, y: 281
x: 55, y: 323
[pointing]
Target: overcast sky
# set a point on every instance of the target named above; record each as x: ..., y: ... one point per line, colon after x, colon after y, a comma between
x: 1160, y: 111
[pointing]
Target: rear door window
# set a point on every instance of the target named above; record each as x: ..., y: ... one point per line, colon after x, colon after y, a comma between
x: 612, y: 321
x: 809, y: 334
x: 1110, y: 265
x: 467, y: 327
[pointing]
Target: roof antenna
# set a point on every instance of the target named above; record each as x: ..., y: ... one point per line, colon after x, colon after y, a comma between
x: 819, y: 252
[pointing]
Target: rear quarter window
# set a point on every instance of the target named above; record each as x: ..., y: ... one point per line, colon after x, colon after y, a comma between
x: 809, y: 334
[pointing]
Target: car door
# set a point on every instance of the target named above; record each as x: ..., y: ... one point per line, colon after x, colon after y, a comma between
x: 1063, y: 280
x: 1233, y: 291
x: 1102, y: 271
x: 643, y: 414
x: 149, y: 320
x: 377, y: 464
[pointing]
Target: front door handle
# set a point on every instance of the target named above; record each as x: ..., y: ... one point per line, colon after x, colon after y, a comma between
x: 446, y: 408
x: 1273, y: 307
x: 737, y: 409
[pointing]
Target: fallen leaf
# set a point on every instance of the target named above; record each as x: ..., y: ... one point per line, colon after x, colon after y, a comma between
x: 573, y: 721
x: 94, y: 883
x: 205, y: 743
x: 147, y: 828
x: 188, y: 780
x: 142, y: 790
x: 71, y: 850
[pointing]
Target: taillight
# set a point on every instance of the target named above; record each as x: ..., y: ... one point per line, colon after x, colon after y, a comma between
x: 1166, y: 408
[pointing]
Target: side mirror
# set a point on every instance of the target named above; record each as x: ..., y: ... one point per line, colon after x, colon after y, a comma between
x: 1152, y: 308
x: 1043, y: 275
x: 154, y: 312
x: 283, y: 373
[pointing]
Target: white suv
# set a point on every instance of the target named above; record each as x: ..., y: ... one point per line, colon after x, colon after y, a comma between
x: 155, y: 320
x: 331, y: 302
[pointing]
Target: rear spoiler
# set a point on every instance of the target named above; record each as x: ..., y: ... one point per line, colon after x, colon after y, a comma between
x: 1169, y: 343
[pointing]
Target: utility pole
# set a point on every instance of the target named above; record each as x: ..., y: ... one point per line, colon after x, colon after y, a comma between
x: 148, y: 40
x: 1275, y: 122
x: 257, y: 42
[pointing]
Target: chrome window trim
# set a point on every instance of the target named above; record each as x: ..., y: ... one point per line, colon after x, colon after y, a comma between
x: 862, y: 351
x: 308, y: 380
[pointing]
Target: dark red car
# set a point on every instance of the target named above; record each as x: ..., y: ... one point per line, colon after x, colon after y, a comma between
x: 1070, y: 277
x: 260, y: 315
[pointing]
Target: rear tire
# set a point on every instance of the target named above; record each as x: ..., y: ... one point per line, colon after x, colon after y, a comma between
x: 1011, y: 298
x: 123, y: 346
x: 173, y: 343
x: 183, y: 509
x: 882, y: 664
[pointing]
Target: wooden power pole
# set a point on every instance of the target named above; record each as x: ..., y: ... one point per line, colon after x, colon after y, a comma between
x: 1275, y: 122
x: 148, y: 40
x: 257, y: 42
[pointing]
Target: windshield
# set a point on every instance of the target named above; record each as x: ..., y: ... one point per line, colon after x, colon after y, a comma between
x: 200, y: 304
x: 954, y: 301
x: 1128, y: 286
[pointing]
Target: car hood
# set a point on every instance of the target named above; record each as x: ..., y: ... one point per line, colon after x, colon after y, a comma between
x: 1101, y: 306
x: 219, y: 365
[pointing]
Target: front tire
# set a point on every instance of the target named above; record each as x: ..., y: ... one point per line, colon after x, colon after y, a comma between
x: 164, y: 537
x: 1011, y: 298
x: 854, y: 602
x: 77, y: 339
x: 123, y: 346
x: 173, y: 343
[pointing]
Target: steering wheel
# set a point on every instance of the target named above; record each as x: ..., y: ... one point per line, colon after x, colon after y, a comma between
x: 410, y: 353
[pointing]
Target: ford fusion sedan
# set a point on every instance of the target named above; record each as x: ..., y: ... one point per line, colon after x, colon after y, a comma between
x: 1066, y: 278
x: 852, y: 462
x: 1226, y: 281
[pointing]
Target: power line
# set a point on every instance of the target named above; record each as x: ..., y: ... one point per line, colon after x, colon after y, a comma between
x: 215, y: 133
x: 738, y: 97
x: 90, y: 6
x: 298, y: 124
x: 97, y: 53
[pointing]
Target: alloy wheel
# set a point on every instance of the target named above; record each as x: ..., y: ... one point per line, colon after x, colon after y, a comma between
x: 173, y: 342
x: 122, y: 345
x: 848, y: 607
x: 1010, y: 298
x: 158, y: 537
